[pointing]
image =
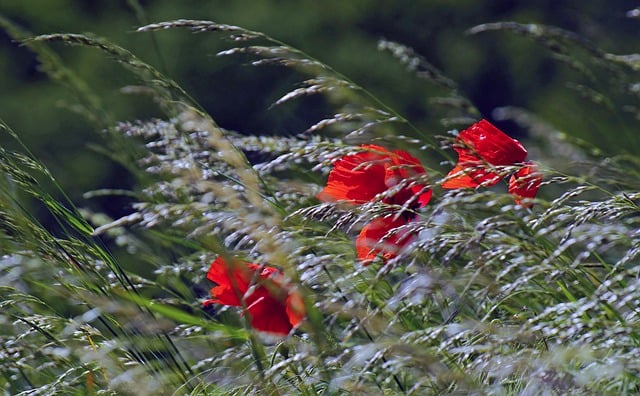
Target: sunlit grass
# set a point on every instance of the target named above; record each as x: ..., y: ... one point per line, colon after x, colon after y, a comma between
x: 491, y: 298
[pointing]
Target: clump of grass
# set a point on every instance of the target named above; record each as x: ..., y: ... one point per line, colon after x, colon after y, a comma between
x: 491, y: 298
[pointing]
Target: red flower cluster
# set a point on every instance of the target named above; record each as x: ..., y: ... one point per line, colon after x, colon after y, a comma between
x: 272, y: 306
x: 360, y: 178
x: 363, y: 177
x: 375, y: 173
x: 481, y: 147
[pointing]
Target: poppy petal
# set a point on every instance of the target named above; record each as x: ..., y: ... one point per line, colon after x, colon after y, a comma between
x: 491, y: 144
x: 359, y: 178
x: 272, y: 307
x: 267, y: 313
x: 469, y: 172
x: 458, y: 177
x: 227, y: 292
x: 525, y: 183
x: 404, y: 168
x: 478, y: 146
x: 295, y: 308
x: 380, y: 237
x: 356, y: 178
x: 423, y: 196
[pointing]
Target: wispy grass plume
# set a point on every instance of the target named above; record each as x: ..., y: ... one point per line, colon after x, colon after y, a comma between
x: 489, y: 297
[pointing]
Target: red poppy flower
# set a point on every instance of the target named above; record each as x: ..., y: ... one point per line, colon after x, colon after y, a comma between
x: 380, y: 237
x: 358, y: 178
x: 480, y: 145
x: 525, y: 183
x: 271, y: 305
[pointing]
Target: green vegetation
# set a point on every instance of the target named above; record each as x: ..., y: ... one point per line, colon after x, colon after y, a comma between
x: 104, y: 257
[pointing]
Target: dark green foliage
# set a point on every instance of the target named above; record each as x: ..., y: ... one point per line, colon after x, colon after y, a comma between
x: 492, y: 298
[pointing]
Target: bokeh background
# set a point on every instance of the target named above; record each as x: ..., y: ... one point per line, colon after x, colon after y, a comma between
x: 493, y: 69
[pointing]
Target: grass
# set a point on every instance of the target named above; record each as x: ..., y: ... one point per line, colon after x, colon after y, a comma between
x: 493, y: 298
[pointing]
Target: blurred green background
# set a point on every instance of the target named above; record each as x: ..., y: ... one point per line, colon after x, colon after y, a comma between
x: 493, y: 69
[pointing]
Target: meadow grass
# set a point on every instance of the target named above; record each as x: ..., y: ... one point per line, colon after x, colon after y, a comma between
x: 491, y: 297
